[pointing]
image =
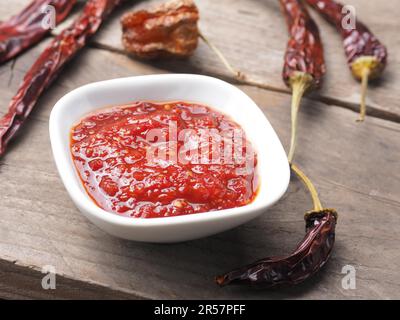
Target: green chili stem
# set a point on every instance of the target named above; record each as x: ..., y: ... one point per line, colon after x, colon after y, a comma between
x: 299, y: 82
x: 236, y: 73
x: 307, y: 182
x: 364, y: 85
x: 365, y: 68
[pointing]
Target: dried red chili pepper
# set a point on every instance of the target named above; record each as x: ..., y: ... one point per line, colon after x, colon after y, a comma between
x: 366, y: 55
x: 307, y: 259
x: 25, y: 28
x: 168, y: 29
x: 304, y: 64
x: 48, y: 65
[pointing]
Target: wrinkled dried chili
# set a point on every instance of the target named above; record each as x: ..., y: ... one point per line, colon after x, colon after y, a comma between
x: 168, y: 29
x: 307, y: 259
x: 26, y: 28
x: 304, y: 64
x: 366, y: 55
x: 48, y: 65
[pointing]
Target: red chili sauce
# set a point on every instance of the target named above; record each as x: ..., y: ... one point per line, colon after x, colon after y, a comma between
x: 110, y: 150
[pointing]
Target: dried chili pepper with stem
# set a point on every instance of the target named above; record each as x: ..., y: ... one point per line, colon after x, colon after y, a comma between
x: 169, y: 29
x: 306, y: 260
x: 366, y: 55
x: 25, y: 29
x: 304, y: 64
x: 47, y: 67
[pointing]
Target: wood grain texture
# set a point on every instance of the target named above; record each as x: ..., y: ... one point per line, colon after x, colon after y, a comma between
x: 7, y: 11
x: 22, y: 282
x: 355, y: 168
x: 253, y: 36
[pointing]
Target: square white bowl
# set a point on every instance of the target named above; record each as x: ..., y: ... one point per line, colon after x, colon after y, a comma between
x: 273, y: 168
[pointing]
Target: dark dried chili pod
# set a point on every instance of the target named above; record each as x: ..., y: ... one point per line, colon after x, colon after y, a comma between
x: 366, y: 55
x: 307, y: 259
x: 309, y: 256
x: 304, y: 64
x: 26, y: 28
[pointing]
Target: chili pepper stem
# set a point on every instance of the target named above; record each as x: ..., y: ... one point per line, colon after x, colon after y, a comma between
x: 307, y: 182
x: 364, y: 69
x: 364, y: 86
x: 299, y: 83
x: 237, y: 74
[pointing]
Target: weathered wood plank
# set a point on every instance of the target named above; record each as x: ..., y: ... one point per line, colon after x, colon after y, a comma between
x: 356, y: 169
x: 253, y: 36
x: 7, y: 11
x: 17, y: 282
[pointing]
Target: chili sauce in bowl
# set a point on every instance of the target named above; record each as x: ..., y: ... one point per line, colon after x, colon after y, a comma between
x: 164, y: 159
x: 145, y: 170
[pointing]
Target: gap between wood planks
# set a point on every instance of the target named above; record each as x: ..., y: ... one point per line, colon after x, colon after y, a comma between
x: 329, y: 100
x: 371, y: 111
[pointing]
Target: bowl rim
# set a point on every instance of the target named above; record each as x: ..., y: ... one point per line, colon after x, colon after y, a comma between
x: 82, y: 199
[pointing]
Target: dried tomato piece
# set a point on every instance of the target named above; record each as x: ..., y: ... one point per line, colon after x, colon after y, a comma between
x: 169, y: 29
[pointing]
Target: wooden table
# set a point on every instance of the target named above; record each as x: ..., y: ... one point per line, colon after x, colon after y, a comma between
x: 356, y: 168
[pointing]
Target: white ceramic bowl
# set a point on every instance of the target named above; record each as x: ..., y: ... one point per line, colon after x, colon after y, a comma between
x: 273, y: 166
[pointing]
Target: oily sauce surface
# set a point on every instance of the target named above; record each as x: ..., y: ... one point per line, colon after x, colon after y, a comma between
x: 110, y: 150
